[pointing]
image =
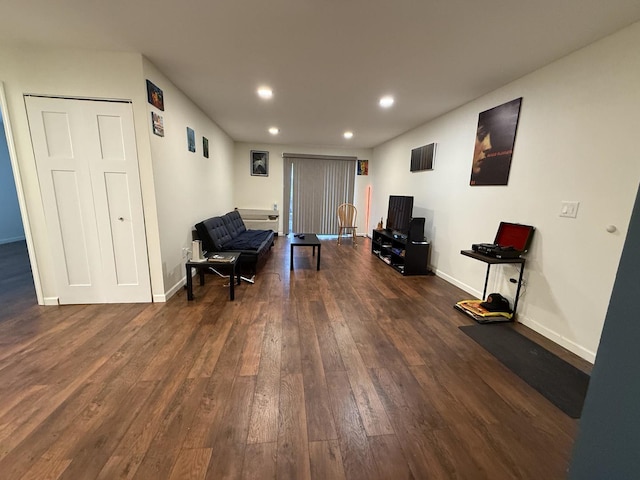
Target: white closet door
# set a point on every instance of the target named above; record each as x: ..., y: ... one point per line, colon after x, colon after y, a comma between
x: 88, y: 171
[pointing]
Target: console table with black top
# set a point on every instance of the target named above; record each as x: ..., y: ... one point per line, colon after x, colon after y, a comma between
x: 222, y: 260
x: 305, y: 240
x: 497, y: 261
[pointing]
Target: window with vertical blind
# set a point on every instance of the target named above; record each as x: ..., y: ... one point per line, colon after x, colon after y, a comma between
x: 314, y: 186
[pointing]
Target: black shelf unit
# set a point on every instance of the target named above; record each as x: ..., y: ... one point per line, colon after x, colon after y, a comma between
x: 409, y: 257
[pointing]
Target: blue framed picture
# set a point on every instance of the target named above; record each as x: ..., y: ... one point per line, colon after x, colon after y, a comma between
x: 191, y: 139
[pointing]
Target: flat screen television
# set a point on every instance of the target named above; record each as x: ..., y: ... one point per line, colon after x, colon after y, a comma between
x: 399, y: 213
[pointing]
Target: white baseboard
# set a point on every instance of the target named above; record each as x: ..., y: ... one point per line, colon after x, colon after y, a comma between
x: 172, y: 291
x: 557, y: 338
x: 159, y: 298
x: 457, y: 283
x: 50, y: 301
x: 12, y: 239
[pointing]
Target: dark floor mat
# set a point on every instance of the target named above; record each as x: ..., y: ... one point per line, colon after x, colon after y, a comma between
x: 560, y: 382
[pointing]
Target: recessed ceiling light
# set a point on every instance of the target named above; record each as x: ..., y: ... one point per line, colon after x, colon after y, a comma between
x: 387, y: 101
x: 348, y: 134
x: 265, y: 92
x: 274, y: 130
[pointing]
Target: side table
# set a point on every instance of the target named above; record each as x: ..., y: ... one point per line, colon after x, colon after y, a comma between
x: 498, y: 261
x: 227, y: 260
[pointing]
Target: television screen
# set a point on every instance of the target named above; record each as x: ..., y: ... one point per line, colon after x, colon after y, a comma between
x: 399, y: 213
x: 422, y: 157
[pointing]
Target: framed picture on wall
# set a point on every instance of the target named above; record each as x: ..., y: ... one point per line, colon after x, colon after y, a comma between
x: 495, y: 139
x: 158, y: 124
x: 205, y: 147
x: 363, y: 167
x: 259, y: 163
x: 154, y: 96
x: 191, y: 139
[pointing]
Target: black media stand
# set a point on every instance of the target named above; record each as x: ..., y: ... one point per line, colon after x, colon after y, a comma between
x: 494, y: 261
x: 409, y: 257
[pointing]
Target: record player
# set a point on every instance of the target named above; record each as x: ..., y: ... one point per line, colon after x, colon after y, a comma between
x: 512, y: 240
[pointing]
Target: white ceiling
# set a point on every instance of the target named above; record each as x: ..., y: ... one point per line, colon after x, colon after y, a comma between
x: 328, y: 61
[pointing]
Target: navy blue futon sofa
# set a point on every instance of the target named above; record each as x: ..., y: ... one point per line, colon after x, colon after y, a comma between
x: 228, y: 233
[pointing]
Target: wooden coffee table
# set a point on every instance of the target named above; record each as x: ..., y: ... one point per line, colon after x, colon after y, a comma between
x: 305, y: 240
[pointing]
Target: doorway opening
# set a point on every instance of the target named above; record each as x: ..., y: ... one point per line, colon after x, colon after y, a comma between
x: 17, y: 285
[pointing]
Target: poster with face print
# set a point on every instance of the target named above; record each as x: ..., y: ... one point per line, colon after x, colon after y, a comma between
x: 495, y: 139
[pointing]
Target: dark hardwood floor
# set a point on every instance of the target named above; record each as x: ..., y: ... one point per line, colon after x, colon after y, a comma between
x: 351, y: 372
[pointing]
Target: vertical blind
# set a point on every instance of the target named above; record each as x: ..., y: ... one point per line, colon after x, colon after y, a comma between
x: 314, y: 186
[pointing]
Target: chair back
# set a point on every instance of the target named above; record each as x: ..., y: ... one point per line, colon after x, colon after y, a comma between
x: 347, y: 215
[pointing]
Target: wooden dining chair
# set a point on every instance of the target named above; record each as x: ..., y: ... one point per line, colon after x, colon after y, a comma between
x: 347, y: 215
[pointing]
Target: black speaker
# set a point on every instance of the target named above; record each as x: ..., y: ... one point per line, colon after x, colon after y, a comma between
x: 416, y: 230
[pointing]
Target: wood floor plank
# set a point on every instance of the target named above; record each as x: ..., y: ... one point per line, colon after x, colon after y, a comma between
x: 389, y: 457
x: 331, y: 359
x: 319, y: 419
x: 291, y: 362
x: 260, y: 461
x: 357, y: 457
x: 374, y: 418
x: 250, y: 359
x: 218, y: 389
x: 293, y: 443
x: 230, y: 440
x: 326, y: 460
x: 192, y: 464
x: 263, y: 425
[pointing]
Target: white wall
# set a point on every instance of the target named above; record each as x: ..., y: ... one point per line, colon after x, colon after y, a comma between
x: 10, y: 220
x: 263, y: 192
x: 577, y: 140
x: 189, y: 187
x: 179, y: 188
x: 75, y: 73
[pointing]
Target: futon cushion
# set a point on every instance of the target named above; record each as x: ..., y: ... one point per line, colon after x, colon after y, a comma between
x: 234, y: 223
x: 213, y: 233
x: 250, y: 240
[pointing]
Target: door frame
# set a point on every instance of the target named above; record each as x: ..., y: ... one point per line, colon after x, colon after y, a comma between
x: 26, y: 224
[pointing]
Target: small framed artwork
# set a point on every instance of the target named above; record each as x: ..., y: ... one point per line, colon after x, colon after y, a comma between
x: 259, y: 163
x: 363, y: 167
x: 422, y: 158
x: 205, y: 147
x: 158, y: 124
x: 191, y: 139
x: 154, y: 96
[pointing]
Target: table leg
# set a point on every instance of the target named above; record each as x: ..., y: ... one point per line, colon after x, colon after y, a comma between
x: 291, y: 259
x: 189, y: 284
x: 318, y: 267
x: 515, y: 301
x: 313, y: 253
x: 486, y: 280
x: 232, y: 294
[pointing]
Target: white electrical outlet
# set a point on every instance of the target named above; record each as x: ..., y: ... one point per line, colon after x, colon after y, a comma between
x: 569, y: 209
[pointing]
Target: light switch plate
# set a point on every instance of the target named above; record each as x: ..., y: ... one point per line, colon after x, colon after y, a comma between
x: 569, y: 209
